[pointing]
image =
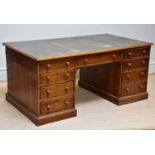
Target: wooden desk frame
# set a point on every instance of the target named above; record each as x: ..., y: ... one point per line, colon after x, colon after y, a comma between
x: 44, y: 90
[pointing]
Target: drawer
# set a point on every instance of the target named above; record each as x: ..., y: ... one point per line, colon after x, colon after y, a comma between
x: 98, y: 59
x: 56, y: 104
x: 134, y: 64
x: 47, y: 66
x: 56, y: 90
x: 130, y: 89
x: 55, y: 76
x: 137, y: 53
x: 134, y: 76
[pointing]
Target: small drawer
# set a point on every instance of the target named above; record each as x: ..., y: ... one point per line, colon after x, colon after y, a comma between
x: 134, y: 76
x: 134, y: 64
x: 134, y: 88
x: 98, y: 59
x: 57, y: 104
x: 56, y: 90
x: 48, y: 66
x: 55, y: 76
x: 136, y: 53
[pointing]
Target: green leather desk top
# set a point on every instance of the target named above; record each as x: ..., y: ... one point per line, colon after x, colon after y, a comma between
x: 53, y: 48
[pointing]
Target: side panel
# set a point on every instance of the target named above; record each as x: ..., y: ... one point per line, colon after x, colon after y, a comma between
x: 22, y: 80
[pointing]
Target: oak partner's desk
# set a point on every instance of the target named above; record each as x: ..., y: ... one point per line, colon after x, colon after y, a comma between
x: 41, y: 74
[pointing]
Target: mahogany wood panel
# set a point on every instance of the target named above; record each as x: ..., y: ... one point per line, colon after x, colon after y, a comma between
x: 22, y: 80
x: 105, y: 77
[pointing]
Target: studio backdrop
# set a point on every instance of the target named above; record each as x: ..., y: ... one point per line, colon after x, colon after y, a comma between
x: 12, y: 32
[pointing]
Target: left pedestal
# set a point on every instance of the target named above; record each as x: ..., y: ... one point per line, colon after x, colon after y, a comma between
x: 43, y: 91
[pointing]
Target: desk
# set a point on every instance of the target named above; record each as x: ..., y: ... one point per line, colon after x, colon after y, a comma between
x: 41, y: 73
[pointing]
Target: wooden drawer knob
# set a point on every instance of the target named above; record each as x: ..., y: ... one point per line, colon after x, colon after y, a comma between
x: 141, y: 86
x: 114, y: 56
x: 67, y: 75
x: 48, y: 66
x: 68, y: 64
x: 48, y: 77
x: 48, y: 106
x: 129, y: 53
x: 66, y: 88
x: 144, y: 51
x: 85, y: 60
x: 66, y: 102
x: 142, y: 73
x: 129, y: 64
x: 127, y: 89
x: 143, y: 62
x: 128, y: 76
x: 48, y: 92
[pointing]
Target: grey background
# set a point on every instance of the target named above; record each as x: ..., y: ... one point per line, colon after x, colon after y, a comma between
x: 31, y: 32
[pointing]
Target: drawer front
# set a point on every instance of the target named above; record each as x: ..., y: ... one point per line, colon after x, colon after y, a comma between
x: 136, y: 53
x: 129, y: 65
x: 56, y: 90
x: 134, y: 76
x: 56, y: 105
x: 130, y: 89
x: 54, y: 76
x: 48, y: 66
x: 98, y: 59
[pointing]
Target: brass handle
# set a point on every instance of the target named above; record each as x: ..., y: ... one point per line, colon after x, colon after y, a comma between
x: 48, y: 66
x: 85, y: 60
x: 48, y: 77
x: 130, y: 53
x: 142, y: 73
x: 141, y: 86
x: 67, y: 63
x: 128, y: 76
x: 127, y: 89
x: 48, y: 106
x: 143, y: 62
x: 66, y: 88
x: 67, y: 75
x: 48, y: 91
x: 129, y: 64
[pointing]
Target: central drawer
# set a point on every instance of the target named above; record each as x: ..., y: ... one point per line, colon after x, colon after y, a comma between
x: 56, y: 90
x: 98, y: 59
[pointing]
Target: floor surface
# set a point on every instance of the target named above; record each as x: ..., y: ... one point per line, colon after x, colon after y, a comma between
x: 93, y: 112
